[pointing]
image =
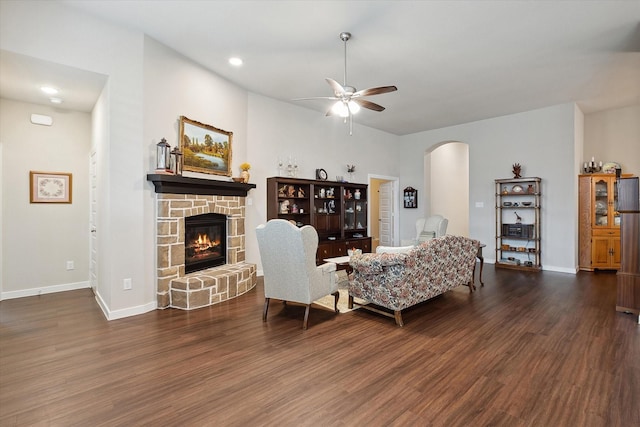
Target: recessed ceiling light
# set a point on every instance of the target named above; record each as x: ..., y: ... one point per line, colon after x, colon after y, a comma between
x: 55, y: 100
x: 235, y: 61
x: 49, y: 90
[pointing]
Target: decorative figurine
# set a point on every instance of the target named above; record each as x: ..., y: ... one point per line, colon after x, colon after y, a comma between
x: 518, y: 218
x: 517, y: 169
x: 284, y: 207
x: 291, y: 191
x: 300, y: 192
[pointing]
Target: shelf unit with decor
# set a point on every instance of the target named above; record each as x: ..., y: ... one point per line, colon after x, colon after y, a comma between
x: 598, y: 222
x: 518, y: 223
x: 337, y: 210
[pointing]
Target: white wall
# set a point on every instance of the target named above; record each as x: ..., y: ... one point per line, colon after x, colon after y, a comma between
x: 542, y: 141
x: 39, y: 238
x: 614, y: 136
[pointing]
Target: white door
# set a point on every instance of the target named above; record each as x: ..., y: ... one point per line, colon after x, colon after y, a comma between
x: 386, y: 213
x: 93, y: 216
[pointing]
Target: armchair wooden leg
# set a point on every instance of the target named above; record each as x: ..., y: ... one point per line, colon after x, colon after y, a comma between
x: 266, y: 308
x: 306, y: 317
x: 397, y: 314
x: 336, y: 295
x: 350, y: 302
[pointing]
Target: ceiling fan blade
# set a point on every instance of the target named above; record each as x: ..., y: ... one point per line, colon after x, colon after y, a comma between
x: 316, y: 97
x: 337, y: 87
x: 375, y: 91
x: 368, y: 104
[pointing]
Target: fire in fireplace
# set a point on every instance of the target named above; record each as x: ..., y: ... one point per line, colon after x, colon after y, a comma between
x: 205, y: 241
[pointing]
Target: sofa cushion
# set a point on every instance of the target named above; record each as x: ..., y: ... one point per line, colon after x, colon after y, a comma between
x: 369, y: 263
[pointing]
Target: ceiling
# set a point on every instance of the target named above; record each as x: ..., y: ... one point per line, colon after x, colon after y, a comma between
x: 453, y: 61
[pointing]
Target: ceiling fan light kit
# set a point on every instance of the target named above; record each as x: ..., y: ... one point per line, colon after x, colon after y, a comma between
x: 349, y: 100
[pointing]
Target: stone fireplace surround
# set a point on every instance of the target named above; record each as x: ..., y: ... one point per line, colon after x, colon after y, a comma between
x: 180, y: 197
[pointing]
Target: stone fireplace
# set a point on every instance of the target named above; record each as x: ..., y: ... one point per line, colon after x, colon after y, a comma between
x: 179, y: 198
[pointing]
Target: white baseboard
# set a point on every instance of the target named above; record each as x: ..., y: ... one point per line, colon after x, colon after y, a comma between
x: 44, y: 290
x: 544, y: 267
x: 560, y: 269
x: 125, y: 312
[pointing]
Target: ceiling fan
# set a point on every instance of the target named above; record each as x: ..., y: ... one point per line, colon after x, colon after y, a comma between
x: 348, y: 99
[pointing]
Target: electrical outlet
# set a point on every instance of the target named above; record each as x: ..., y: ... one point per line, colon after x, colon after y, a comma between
x: 126, y: 284
x: 70, y: 265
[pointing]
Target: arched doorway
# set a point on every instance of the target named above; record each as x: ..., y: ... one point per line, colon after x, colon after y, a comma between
x: 446, y: 182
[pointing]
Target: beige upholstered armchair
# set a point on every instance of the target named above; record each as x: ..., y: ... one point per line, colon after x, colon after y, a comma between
x: 288, y: 256
x: 428, y: 228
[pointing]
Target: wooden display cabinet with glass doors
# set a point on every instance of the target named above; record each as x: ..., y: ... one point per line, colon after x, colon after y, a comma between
x: 337, y: 210
x: 599, y: 222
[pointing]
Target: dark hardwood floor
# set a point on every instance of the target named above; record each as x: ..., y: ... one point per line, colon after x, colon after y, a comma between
x: 527, y: 349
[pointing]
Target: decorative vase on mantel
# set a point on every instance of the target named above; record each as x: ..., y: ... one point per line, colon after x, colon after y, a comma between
x: 245, y: 176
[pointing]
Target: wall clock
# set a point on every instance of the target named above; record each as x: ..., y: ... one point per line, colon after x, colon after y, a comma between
x: 321, y: 174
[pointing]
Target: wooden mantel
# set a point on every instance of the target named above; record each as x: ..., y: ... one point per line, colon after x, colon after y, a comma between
x: 175, y: 184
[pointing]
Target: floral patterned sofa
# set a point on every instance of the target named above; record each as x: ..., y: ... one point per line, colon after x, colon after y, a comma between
x: 397, y: 281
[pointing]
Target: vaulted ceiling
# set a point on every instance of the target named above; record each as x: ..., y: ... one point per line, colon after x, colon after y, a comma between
x: 452, y: 61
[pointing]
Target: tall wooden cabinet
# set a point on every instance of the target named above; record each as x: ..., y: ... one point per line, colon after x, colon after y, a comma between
x: 337, y: 210
x: 628, y: 286
x: 598, y: 222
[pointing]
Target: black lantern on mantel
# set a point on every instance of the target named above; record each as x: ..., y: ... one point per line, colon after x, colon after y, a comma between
x: 163, y: 156
x: 176, y: 161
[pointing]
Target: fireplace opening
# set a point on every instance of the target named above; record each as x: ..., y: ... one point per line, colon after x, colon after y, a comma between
x: 205, y: 241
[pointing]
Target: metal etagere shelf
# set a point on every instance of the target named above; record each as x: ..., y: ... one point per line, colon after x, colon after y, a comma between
x: 518, y: 223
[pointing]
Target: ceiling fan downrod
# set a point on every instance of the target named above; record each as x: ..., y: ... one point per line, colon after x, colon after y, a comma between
x: 345, y: 36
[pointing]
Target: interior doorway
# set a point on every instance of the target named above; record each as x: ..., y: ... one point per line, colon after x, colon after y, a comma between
x: 384, y: 226
x: 446, y: 183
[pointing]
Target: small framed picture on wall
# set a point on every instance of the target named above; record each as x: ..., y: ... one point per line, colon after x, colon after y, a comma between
x: 50, y: 187
x: 410, y: 198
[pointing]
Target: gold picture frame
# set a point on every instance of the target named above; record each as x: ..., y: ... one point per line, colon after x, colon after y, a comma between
x: 50, y: 187
x: 204, y: 148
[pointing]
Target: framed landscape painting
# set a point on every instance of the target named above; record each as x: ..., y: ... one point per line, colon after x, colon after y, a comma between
x: 49, y: 187
x: 205, y: 149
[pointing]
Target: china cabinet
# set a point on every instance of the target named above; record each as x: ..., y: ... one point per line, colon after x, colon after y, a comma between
x: 598, y: 222
x: 337, y: 210
x: 518, y: 223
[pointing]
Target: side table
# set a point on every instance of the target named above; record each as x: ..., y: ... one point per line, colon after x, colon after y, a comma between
x: 481, y: 258
x: 343, y: 269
